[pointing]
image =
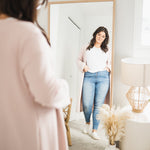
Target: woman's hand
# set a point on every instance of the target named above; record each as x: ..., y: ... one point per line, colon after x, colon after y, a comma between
x: 107, y: 69
x: 86, y: 68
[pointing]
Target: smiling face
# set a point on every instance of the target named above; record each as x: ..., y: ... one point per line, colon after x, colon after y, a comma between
x: 100, y: 37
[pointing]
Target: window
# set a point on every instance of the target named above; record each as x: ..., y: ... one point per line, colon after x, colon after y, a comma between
x: 145, y: 38
x: 142, y: 25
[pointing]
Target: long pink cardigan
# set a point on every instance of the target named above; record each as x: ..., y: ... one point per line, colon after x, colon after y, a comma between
x: 31, y: 98
x: 81, y: 62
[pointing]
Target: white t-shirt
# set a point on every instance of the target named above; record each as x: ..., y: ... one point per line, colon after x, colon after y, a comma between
x: 96, y: 59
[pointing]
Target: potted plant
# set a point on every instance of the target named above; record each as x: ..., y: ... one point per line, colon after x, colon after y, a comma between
x: 113, y: 121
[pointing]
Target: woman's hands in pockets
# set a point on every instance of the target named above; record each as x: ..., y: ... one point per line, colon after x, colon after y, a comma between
x: 86, y: 68
x: 107, y: 69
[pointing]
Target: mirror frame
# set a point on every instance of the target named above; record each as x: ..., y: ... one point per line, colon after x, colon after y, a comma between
x: 113, y: 31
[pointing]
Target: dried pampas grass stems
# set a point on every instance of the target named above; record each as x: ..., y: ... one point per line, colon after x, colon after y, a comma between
x: 113, y: 121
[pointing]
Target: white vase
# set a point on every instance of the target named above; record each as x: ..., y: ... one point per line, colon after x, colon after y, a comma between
x: 111, y: 147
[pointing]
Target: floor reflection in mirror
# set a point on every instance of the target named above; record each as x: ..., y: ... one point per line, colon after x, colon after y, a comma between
x: 81, y: 141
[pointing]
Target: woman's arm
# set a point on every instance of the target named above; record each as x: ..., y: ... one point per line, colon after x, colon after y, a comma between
x: 108, y: 63
x: 80, y: 62
x: 46, y: 89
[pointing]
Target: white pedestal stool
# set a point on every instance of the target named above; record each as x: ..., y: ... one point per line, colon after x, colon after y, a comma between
x: 137, y: 134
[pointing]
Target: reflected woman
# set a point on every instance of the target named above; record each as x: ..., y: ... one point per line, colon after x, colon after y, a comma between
x: 94, y: 63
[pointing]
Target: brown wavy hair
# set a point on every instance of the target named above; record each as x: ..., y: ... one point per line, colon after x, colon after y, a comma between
x: 104, y: 46
x: 23, y: 10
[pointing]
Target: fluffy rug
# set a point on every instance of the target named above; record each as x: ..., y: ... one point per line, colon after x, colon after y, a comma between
x: 81, y: 141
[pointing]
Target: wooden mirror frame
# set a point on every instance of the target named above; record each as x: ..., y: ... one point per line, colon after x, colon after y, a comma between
x: 113, y: 31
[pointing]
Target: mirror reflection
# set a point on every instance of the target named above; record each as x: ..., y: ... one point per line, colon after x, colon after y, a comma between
x: 71, y: 29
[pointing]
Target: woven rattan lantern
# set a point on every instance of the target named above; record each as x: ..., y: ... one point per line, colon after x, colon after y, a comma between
x: 135, y: 72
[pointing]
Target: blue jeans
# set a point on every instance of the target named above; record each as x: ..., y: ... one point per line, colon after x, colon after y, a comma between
x: 94, y: 90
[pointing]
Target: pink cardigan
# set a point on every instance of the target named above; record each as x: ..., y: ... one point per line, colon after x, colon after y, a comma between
x: 31, y: 98
x: 82, y: 60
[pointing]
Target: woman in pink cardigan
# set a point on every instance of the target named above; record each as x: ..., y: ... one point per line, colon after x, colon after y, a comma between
x: 94, y: 63
x: 31, y: 98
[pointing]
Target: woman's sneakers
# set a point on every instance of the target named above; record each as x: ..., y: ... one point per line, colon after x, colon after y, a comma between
x: 86, y: 129
x: 95, y: 136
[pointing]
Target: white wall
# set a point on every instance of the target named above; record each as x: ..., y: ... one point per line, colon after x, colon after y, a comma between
x: 124, y: 31
x: 59, y: 31
x: 65, y: 41
x: 43, y: 18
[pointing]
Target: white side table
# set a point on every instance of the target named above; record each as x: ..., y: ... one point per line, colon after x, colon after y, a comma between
x: 137, y: 134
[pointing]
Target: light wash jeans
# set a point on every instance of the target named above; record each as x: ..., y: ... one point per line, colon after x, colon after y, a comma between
x: 94, y: 90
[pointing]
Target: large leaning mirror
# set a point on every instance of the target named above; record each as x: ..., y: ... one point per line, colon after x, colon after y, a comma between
x: 70, y: 27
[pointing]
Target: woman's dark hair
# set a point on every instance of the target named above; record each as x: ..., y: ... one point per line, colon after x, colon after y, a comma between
x: 105, y: 42
x: 23, y: 10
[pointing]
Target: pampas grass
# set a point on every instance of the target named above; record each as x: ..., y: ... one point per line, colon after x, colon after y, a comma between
x: 113, y: 121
